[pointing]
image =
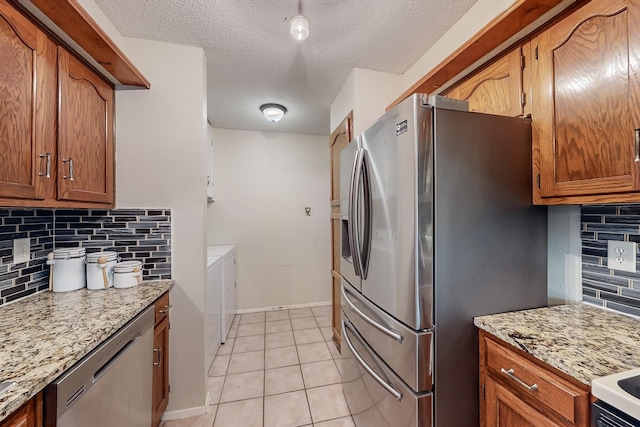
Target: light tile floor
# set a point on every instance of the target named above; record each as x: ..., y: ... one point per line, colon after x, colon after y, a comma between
x: 277, y: 369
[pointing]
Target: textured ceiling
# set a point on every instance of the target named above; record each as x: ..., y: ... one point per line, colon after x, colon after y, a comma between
x: 253, y: 60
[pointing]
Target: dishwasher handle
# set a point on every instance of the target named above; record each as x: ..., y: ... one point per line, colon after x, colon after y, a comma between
x: 104, y: 368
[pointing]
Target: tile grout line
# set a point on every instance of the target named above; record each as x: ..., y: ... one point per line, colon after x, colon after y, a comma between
x: 264, y: 368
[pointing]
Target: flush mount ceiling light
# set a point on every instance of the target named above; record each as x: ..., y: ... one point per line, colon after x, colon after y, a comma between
x: 299, y: 27
x: 273, y: 112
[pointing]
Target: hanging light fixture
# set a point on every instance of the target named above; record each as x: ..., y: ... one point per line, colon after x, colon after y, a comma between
x: 299, y: 27
x: 273, y: 112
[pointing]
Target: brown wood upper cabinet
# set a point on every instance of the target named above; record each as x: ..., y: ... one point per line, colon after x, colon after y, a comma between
x: 56, y: 122
x: 497, y: 88
x: 85, y: 133
x: 27, y: 103
x: 586, y: 110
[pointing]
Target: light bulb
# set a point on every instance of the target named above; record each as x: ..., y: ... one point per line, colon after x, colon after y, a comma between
x: 299, y: 27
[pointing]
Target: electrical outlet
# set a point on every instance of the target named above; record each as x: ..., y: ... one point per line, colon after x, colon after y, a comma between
x: 621, y: 255
x: 21, y: 250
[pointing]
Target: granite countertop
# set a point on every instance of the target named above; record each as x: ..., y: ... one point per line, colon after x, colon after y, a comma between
x: 580, y: 340
x: 43, y: 335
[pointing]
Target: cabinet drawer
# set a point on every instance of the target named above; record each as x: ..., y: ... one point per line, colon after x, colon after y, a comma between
x: 162, y: 307
x: 550, y: 391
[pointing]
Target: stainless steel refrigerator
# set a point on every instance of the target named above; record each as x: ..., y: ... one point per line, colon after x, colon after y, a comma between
x: 437, y: 227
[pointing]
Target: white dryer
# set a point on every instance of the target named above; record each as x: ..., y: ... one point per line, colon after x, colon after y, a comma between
x: 213, y: 291
x: 229, y: 293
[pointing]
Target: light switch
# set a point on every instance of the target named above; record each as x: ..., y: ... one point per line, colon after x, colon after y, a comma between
x: 21, y: 250
x: 621, y: 255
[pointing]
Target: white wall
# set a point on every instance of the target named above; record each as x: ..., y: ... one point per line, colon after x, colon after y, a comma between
x: 160, y: 156
x: 564, y: 265
x: 367, y: 93
x: 344, y: 102
x: 374, y: 91
x: 480, y: 14
x: 264, y: 181
x: 161, y: 142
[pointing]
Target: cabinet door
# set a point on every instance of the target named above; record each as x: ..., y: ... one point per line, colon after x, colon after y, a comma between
x: 339, y: 139
x: 497, y: 89
x: 505, y: 409
x: 160, y: 393
x: 586, y: 91
x: 85, y: 133
x: 28, y: 415
x: 27, y: 106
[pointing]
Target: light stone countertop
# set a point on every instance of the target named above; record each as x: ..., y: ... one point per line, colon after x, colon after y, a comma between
x: 43, y: 335
x: 580, y: 340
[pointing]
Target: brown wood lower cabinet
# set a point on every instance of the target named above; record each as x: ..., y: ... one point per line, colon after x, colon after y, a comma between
x: 505, y: 409
x: 160, y: 394
x: 28, y: 415
x: 517, y: 390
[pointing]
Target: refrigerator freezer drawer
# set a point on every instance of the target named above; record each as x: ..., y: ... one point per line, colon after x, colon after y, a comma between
x: 408, y: 352
x: 375, y: 395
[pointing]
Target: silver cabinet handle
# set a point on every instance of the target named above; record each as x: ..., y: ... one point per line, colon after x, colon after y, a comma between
x: 393, y: 334
x: 47, y: 173
x: 637, y: 159
x: 70, y: 176
x: 510, y: 374
x: 159, y: 362
x: 367, y: 368
x: 165, y: 309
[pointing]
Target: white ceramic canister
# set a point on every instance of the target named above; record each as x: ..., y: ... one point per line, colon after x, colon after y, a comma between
x: 127, y: 274
x: 100, y: 276
x: 67, y: 269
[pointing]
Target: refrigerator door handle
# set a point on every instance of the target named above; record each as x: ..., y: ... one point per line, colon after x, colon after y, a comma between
x: 366, y: 367
x: 366, y: 239
x: 393, y: 334
x: 354, y: 227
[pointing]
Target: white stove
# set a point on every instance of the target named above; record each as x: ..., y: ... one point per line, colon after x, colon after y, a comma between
x: 618, y: 401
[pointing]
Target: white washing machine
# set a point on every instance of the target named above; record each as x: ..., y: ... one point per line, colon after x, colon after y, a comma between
x: 213, y: 291
x: 229, y: 293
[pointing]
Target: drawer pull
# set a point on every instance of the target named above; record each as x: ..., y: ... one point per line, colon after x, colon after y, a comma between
x: 392, y: 333
x: 637, y: 158
x: 70, y: 161
x: 47, y: 173
x: 510, y: 374
x: 159, y: 362
x: 165, y: 310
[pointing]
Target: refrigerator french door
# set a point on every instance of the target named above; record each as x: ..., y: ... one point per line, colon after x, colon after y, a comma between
x: 437, y: 228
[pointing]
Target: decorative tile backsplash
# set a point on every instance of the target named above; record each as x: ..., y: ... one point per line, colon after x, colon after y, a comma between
x: 20, y: 280
x: 140, y: 234
x: 617, y: 290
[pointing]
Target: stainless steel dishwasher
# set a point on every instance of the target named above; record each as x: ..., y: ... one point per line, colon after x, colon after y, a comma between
x: 111, y: 386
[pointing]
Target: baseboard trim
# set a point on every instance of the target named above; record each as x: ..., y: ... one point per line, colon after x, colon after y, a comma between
x: 186, y: 413
x: 283, y: 307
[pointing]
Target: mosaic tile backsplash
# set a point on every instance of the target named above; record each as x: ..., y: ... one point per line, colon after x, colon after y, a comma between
x: 140, y: 234
x: 617, y: 290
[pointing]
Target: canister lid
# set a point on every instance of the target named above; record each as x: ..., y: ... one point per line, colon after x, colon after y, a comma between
x: 93, y: 257
x: 69, y: 253
x: 126, y: 266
